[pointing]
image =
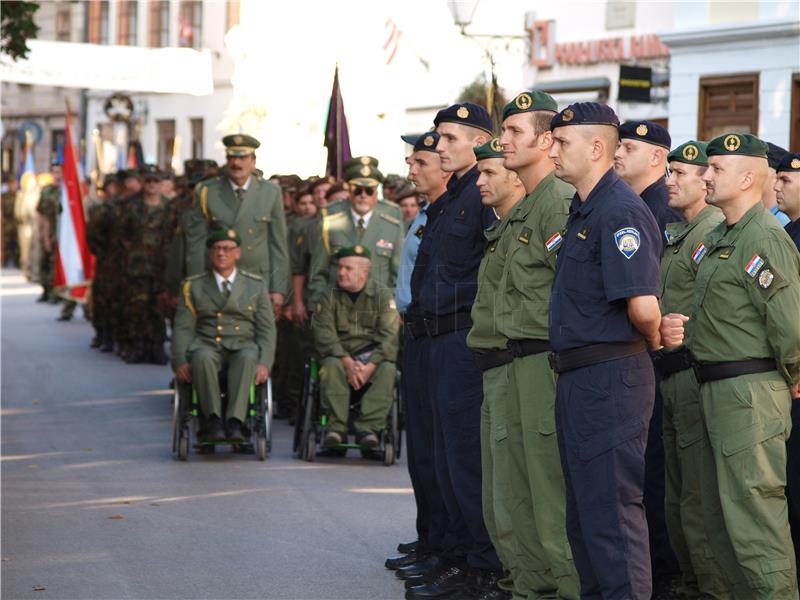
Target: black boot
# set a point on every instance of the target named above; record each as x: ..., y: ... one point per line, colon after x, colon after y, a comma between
x: 156, y: 354
x: 108, y: 340
x: 44, y: 297
x: 138, y: 353
x: 97, y: 340
x: 484, y: 585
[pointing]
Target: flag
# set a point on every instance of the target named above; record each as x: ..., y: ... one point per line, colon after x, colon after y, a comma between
x: 392, y: 42
x: 135, y: 155
x: 28, y: 174
x: 74, y: 262
x: 337, y: 139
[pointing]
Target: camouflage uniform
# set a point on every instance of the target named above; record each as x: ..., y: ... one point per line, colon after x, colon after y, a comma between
x: 10, y: 247
x: 100, y: 221
x: 49, y: 208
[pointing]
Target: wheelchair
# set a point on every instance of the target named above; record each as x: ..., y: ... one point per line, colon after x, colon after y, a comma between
x: 311, y: 423
x: 186, y: 416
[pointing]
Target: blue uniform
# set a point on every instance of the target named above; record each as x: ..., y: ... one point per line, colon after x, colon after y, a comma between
x: 656, y: 196
x: 610, y: 252
x: 782, y: 217
x: 408, y: 257
x: 444, y: 284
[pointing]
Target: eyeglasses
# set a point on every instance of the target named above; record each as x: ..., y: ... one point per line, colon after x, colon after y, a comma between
x: 224, y: 249
x: 359, y: 190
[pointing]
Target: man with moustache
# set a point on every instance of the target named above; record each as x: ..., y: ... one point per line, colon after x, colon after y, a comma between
x: 745, y: 336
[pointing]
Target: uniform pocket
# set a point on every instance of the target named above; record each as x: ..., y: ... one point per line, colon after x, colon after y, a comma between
x: 755, y: 460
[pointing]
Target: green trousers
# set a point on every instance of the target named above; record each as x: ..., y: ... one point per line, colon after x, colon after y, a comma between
x: 495, y: 482
x: 546, y: 568
x: 375, y: 404
x: 684, y: 448
x: 207, y: 362
x: 746, y: 422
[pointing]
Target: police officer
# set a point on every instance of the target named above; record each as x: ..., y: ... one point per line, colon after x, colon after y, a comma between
x: 679, y: 388
x: 745, y: 335
x: 443, y: 287
x: 604, y: 315
x: 253, y: 207
x: 535, y: 231
x: 775, y: 155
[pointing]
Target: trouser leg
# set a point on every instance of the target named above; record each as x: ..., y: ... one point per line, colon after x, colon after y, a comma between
x: 377, y: 400
x: 241, y: 374
x: 206, y: 363
x: 335, y: 393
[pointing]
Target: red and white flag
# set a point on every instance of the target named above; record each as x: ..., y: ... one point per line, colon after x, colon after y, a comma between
x: 74, y: 262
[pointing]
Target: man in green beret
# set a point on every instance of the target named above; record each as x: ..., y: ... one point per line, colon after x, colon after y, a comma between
x: 224, y: 321
x: 365, y: 221
x: 679, y: 388
x: 355, y: 328
x: 252, y: 206
x: 745, y: 336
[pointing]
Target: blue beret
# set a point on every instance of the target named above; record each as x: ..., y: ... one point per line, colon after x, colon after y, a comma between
x: 424, y: 141
x: 585, y: 113
x: 645, y: 131
x: 790, y: 162
x: 775, y: 155
x: 466, y: 113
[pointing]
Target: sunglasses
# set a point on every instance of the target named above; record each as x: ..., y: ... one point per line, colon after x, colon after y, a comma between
x: 359, y: 190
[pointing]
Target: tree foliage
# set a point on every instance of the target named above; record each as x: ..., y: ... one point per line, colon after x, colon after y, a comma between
x: 17, y: 27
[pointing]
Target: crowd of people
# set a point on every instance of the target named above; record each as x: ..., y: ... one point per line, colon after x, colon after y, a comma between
x: 599, y: 337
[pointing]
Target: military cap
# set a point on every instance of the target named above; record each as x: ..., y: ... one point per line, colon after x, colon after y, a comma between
x: 223, y: 235
x: 406, y: 191
x: 364, y: 175
x: 239, y: 144
x: 645, y: 131
x: 152, y: 172
x: 411, y: 138
x: 112, y: 177
x: 359, y: 161
x: 691, y: 153
x: 790, y: 162
x: 427, y: 142
x: 529, y: 102
x: 737, y: 144
x: 491, y: 149
x: 466, y: 113
x: 393, y: 182
x: 357, y: 250
x: 585, y: 113
x: 775, y: 155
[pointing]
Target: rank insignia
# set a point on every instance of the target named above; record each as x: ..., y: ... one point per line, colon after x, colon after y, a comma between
x: 462, y: 112
x: 690, y: 152
x: 318, y: 308
x: 583, y: 234
x: 628, y: 241
x: 523, y: 101
x: 420, y: 230
x: 525, y: 235
x: 754, y: 265
x: 699, y: 253
x: 765, y: 278
x: 732, y: 142
x: 554, y: 241
x: 725, y: 254
x: 300, y: 239
x: 641, y: 130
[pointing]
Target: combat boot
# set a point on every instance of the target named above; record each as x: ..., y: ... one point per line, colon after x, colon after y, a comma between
x: 138, y: 353
x: 44, y: 297
x: 97, y: 340
x: 156, y: 354
x: 108, y: 340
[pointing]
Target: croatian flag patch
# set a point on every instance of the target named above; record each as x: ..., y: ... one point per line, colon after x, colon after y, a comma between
x: 699, y: 253
x: 553, y: 242
x: 754, y: 265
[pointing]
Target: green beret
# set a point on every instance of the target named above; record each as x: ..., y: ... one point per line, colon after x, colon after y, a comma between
x: 737, y: 144
x: 364, y: 175
x: 491, y: 149
x: 357, y: 250
x: 239, y: 144
x: 360, y: 161
x: 691, y: 153
x: 529, y: 102
x: 223, y: 235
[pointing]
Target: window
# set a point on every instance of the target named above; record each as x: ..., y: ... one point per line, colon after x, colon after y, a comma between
x: 127, y: 22
x: 190, y: 18
x: 98, y: 22
x: 64, y: 23
x: 166, y: 143
x: 58, y: 139
x: 197, y: 137
x: 232, y: 14
x: 728, y: 103
x: 794, y: 123
x: 159, y: 24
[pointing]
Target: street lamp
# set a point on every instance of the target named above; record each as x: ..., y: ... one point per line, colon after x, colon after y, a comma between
x: 462, y: 11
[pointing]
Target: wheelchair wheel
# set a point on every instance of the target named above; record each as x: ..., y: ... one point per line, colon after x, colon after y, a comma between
x: 176, y: 420
x: 388, y: 454
x: 183, y: 445
x: 310, y: 447
x: 263, y: 444
x: 301, y: 411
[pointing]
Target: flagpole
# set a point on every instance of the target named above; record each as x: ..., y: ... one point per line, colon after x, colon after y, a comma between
x: 338, y: 123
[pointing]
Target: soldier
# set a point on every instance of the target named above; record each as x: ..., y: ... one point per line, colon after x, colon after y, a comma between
x: 251, y: 206
x: 338, y: 192
x: 501, y: 190
x: 679, y: 388
x: 534, y: 235
x: 406, y: 199
x: 10, y: 249
x: 745, y: 335
x: 775, y: 154
x: 48, y: 209
x: 224, y: 321
x: 355, y: 331
x: 319, y: 189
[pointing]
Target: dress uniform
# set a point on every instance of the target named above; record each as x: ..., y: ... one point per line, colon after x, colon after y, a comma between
x: 745, y: 335
x: 254, y: 210
x: 609, y: 253
x: 681, y: 398
x: 217, y: 329
x: 349, y: 324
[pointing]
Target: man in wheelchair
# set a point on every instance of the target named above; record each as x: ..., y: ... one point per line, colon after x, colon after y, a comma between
x: 224, y: 322
x: 356, y: 331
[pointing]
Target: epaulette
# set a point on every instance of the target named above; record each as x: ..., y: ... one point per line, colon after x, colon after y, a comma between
x: 186, y: 289
x: 390, y: 218
x: 193, y: 277
x: 251, y: 275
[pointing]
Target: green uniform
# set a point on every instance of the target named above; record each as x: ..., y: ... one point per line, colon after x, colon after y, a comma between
x: 534, y: 234
x: 10, y: 247
x: 258, y: 218
x: 496, y: 494
x: 213, y: 332
x: 117, y: 257
x: 383, y: 236
x: 49, y: 208
x: 342, y: 327
x: 682, y: 428
x: 746, y: 306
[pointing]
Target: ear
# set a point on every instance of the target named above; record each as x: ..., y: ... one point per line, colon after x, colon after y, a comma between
x: 546, y: 140
x: 598, y: 148
x: 747, y: 180
x: 659, y: 156
x: 480, y: 140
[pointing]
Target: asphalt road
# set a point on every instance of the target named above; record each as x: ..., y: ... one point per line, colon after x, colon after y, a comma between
x: 95, y: 506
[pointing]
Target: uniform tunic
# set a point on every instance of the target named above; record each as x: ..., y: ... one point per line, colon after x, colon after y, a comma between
x: 656, y: 196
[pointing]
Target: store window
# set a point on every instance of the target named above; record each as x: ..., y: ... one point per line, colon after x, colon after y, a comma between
x: 64, y: 23
x: 158, y: 36
x: 728, y: 103
x: 128, y: 22
x: 232, y: 14
x: 794, y: 124
x: 166, y: 142
x: 98, y: 22
x: 197, y: 137
x: 190, y: 19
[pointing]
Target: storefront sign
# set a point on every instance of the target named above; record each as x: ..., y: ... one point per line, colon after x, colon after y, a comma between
x: 635, y: 83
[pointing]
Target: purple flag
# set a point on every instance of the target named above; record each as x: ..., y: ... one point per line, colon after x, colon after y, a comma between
x: 337, y: 139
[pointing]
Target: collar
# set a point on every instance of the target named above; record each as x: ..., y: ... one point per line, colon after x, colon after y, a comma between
x: 523, y: 208
x: 244, y: 187
x: 729, y: 236
x: 680, y: 229
x: 357, y: 216
x: 653, y: 187
x: 219, y: 279
x: 584, y: 208
x: 457, y: 184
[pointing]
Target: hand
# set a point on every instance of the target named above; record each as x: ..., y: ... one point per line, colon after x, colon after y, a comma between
x: 351, y: 372
x: 299, y: 312
x: 277, y: 303
x: 286, y: 313
x: 364, y: 372
x: 671, y: 329
x: 794, y: 391
x: 184, y: 373
x: 262, y: 374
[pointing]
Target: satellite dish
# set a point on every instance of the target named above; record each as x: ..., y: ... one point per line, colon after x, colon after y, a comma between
x: 35, y: 132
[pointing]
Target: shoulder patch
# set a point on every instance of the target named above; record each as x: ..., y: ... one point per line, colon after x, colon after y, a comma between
x: 628, y: 241
x: 768, y: 280
x: 390, y: 218
x: 752, y: 267
x: 699, y: 253
x: 553, y: 242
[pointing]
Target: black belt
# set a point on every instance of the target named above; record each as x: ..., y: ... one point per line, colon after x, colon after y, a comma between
x: 420, y: 327
x: 669, y: 363
x: 593, y: 354
x: 715, y: 371
x: 489, y: 359
x: 522, y: 348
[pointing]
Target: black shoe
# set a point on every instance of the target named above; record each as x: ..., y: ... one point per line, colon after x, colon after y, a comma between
x: 418, y: 568
x: 63, y: 317
x: 404, y: 560
x: 96, y: 341
x: 407, y: 547
x: 136, y: 356
x: 666, y: 587
x: 54, y: 300
x: 214, y: 431
x: 156, y: 355
x: 234, y: 430
x: 449, y: 582
x: 333, y: 439
x: 43, y: 298
x: 427, y: 577
x: 484, y: 585
x: 367, y: 439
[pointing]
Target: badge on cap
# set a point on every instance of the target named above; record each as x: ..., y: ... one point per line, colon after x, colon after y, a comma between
x: 231, y: 233
x: 628, y: 241
x: 364, y: 170
x: 568, y: 115
x: 796, y: 163
x: 237, y: 139
x: 641, y: 130
x: 359, y: 249
x: 523, y: 101
x: 364, y: 160
x: 690, y: 152
x: 495, y: 145
x: 462, y: 112
x: 428, y: 141
x: 732, y: 142
x: 765, y: 278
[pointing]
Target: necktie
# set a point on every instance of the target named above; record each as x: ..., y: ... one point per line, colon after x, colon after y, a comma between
x: 239, y: 194
x: 361, y: 227
x: 226, y: 289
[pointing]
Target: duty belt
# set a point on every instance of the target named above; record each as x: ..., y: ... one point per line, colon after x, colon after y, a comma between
x: 669, y: 363
x: 714, y: 371
x: 489, y: 359
x: 419, y: 327
x: 522, y: 348
x: 584, y: 356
